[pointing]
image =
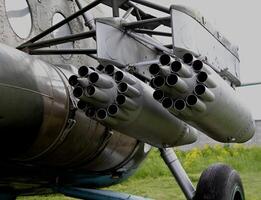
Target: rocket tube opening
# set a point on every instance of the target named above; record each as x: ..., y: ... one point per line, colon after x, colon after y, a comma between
x: 202, y: 77
x: 113, y: 109
x: 187, y: 58
x: 167, y: 102
x: 176, y: 66
x: 200, y: 89
x: 81, y: 105
x: 122, y: 87
x: 192, y: 100
x: 83, y: 71
x: 159, y: 81
x: 128, y: 90
x: 73, y: 80
x: 91, y: 90
x: 90, y: 112
x: 119, y: 76
x: 121, y: 99
x: 126, y: 103
x: 165, y: 59
x: 94, y: 77
x: 158, y: 95
x: 78, y: 92
x: 100, y: 67
x: 180, y: 104
x: 197, y: 65
x: 154, y: 69
x: 109, y: 69
x: 102, y: 114
x: 172, y: 79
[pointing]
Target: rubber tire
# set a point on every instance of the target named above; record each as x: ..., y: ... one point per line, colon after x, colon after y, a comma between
x: 219, y: 182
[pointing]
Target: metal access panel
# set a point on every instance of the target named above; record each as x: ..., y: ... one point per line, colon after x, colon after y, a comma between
x: 192, y: 33
x: 116, y: 46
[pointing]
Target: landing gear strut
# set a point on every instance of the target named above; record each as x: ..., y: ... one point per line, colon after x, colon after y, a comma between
x: 171, y: 160
x: 218, y: 182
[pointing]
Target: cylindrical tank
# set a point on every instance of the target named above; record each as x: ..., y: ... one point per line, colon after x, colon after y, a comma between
x: 225, y: 118
x: 41, y: 126
x: 207, y: 102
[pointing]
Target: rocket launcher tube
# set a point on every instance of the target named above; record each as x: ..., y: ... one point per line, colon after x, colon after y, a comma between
x: 180, y: 69
x: 126, y: 102
x: 101, y: 80
x: 155, y: 70
x: 121, y: 76
x: 177, y: 83
x: 204, y: 93
x: 149, y: 121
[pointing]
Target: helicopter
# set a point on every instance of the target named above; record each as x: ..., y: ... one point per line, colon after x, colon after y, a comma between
x: 87, y: 89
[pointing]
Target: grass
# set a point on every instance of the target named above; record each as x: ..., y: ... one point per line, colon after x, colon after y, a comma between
x: 155, y: 181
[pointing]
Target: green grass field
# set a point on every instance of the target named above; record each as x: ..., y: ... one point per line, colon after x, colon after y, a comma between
x: 154, y: 180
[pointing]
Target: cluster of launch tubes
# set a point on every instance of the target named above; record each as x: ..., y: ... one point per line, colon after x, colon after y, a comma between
x: 183, y: 94
x: 182, y: 86
x: 107, y: 93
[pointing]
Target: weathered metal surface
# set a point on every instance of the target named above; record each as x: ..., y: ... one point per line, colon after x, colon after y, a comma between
x: 40, y: 127
x: 42, y: 17
x: 43, y: 93
x: 192, y: 33
x: 114, y: 45
x: 204, y: 100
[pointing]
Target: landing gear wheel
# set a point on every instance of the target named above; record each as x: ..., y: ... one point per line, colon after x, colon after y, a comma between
x: 220, y: 182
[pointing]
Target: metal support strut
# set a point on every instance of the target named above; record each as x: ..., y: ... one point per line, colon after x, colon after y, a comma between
x: 171, y: 160
x: 61, y: 23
